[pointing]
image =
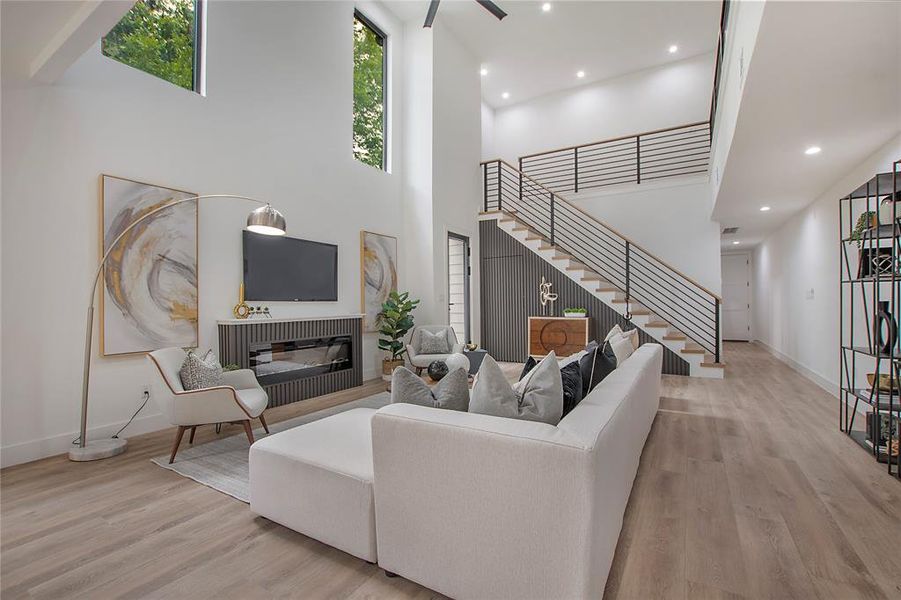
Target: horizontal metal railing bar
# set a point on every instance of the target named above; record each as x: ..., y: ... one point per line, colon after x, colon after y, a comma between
x: 624, y: 137
x: 674, y: 159
x: 675, y: 141
x: 551, y: 175
x: 606, y: 180
x: 649, y: 298
x: 675, y: 175
x: 672, y: 154
x: 561, y: 159
x: 612, y: 245
x: 671, y: 150
x: 607, y: 171
x: 699, y: 335
x: 674, y: 290
x: 628, y: 159
x: 682, y: 133
x: 607, y: 152
x: 605, y: 148
x: 645, y: 257
x: 659, y: 171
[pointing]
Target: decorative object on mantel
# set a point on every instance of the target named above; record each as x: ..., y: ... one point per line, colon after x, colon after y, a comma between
x: 437, y: 370
x: 885, y: 329
x: 262, y: 220
x: 149, y: 295
x: 886, y: 206
x: 471, y: 347
x: 241, y: 309
x: 546, y: 296
x: 557, y: 334
x: 457, y: 361
x: 378, y: 275
x: 259, y: 311
x: 394, y: 320
x: 575, y: 313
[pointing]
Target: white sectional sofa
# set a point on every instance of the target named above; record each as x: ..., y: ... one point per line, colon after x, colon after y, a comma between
x: 469, y: 505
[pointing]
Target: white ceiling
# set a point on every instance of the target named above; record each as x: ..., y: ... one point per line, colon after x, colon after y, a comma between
x: 822, y: 73
x: 531, y: 52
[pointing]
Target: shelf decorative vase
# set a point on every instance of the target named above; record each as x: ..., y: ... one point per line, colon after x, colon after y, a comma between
x: 885, y: 329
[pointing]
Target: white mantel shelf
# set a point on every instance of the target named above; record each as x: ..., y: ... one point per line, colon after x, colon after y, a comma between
x: 286, y: 320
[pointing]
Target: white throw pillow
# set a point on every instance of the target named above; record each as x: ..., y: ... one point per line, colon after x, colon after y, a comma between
x: 537, y: 397
x: 632, y: 334
x: 615, y: 331
x: 622, y: 348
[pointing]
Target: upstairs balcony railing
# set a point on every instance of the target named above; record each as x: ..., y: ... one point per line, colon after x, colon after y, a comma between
x: 632, y: 159
x: 625, y: 265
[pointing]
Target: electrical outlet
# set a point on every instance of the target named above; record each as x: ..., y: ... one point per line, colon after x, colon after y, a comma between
x: 145, y: 390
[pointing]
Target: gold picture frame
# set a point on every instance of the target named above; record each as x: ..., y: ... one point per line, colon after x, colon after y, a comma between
x: 166, y: 267
x: 378, y: 274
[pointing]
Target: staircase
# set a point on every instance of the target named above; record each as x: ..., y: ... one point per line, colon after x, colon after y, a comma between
x: 666, y: 304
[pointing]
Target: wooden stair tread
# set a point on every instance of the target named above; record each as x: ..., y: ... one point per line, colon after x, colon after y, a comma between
x: 640, y: 312
x: 675, y: 337
x: 607, y: 288
x: 657, y: 324
x: 713, y: 365
x: 591, y: 277
x: 562, y: 256
x: 693, y: 351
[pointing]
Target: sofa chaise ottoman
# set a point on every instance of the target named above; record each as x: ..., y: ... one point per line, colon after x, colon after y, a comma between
x: 317, y: 479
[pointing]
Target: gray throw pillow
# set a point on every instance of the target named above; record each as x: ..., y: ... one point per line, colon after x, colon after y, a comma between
x: 433, y: 343
x: 197, y: 373
x: 537, y: 397
x: 452, y: 392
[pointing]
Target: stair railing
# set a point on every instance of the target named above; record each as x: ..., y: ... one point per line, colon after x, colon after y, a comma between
x: 631, y: 159
x: 628, y: 267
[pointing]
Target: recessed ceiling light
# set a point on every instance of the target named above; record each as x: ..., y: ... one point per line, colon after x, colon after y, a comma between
x: 580, y: 74
x: 812, y: 150
x: 483, y: 71
x: 505, y: 95
x: 673, y: 49
x: 736, y: 243
x: 764, y: 208
x: 546, y: 7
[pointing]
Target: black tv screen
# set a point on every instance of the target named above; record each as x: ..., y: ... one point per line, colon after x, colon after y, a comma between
x: 284, y: 268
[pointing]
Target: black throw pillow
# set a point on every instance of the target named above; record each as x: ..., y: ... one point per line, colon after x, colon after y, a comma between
x: 596, y: 365
x: 572, y: 386
x: 530, y: 364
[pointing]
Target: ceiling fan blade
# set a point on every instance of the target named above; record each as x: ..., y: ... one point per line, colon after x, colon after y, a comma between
x: 430, y: 16
x: 492, y: 8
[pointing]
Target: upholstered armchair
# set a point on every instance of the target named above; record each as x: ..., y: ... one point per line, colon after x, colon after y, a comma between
x: 238, y: 400
x: 421, y: 361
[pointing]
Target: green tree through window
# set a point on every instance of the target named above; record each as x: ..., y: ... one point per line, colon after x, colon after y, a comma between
x: 369, y: 93
x: 157, y: 37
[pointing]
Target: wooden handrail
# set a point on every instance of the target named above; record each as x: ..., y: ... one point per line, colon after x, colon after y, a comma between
x: 616, y: 139
x: 631, y: 242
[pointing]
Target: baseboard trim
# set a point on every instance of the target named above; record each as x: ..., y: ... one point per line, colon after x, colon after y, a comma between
x: 815, y: 377
x: 16, y: 454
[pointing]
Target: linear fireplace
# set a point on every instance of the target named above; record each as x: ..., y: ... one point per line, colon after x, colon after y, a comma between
x: 295, y: 359
x: 278, y: 362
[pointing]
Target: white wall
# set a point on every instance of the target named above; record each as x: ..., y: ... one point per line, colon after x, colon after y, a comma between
x: 276, y: 124
x: 487, y: 132
x: 456, y: 172
x: 675, y: 94
x: 670, y: 220
x: 802, y: 256
x: 741, y: 39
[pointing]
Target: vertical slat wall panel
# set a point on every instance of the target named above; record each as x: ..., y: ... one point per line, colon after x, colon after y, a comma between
x: 235, y: 340
x: 510, y: 275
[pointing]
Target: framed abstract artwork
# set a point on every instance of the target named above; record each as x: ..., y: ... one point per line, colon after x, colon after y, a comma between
x: 378, y: 274
x: 149, y: 284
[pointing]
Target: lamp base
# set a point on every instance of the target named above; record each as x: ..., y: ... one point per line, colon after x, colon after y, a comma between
x: 98, y: 449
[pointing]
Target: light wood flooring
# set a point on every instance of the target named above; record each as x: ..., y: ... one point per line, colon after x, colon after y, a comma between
x: 746, y: 490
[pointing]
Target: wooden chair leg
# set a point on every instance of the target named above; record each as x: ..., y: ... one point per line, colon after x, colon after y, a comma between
x: 263, y: 423
x: 419, y: 370
x: 248, y: 430
x: 191, y: 437
x: 178, y: 435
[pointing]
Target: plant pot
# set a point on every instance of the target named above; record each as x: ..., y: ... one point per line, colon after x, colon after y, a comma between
x: 389, y: 365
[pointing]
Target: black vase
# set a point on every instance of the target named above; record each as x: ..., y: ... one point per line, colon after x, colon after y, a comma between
x: 885, y: 329
x: 437, y: 370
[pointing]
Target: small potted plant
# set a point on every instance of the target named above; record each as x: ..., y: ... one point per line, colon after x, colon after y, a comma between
x: 394, y: 321
x: 572, y: 313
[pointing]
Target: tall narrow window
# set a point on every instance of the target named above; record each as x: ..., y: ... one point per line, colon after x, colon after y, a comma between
x: 370, y: 94
x: 160, y: 37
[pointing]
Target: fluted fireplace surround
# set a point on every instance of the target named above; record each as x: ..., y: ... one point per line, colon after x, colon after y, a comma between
x: 295, y: 359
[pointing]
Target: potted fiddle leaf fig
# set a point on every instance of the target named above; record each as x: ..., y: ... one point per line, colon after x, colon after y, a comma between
x: 394, y: 321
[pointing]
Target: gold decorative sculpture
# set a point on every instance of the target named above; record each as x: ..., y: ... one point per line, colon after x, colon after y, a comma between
x: 241, y: 309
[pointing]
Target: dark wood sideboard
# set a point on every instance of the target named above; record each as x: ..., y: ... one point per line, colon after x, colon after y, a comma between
x: 563, y: 335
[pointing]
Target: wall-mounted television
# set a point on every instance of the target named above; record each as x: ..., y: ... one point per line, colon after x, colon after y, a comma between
x: 289, y: 269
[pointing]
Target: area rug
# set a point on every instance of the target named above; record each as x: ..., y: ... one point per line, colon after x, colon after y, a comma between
x: 223, y: 464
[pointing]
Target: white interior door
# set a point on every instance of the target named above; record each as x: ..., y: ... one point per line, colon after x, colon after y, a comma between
x: 458, y: 271
x: 736, y: 296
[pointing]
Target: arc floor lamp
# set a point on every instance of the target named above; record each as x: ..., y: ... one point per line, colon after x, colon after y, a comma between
x: 265, y: 220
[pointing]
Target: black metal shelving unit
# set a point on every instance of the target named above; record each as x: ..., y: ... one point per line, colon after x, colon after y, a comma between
x: 870, y: 282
